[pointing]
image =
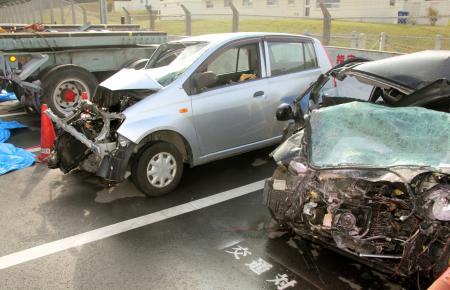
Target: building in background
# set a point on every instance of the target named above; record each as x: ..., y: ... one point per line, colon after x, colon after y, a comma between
x: 385, y: 11
x: 136, y: 5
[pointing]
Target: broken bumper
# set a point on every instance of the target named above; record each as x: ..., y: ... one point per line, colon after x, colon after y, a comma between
x: 109, y: 160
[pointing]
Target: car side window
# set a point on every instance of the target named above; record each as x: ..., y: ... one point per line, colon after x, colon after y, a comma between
x: 234, y: 65
x: 289, y: 57
x: 310, y: 56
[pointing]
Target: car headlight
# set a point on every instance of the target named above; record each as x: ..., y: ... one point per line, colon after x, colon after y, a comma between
x: 122, y: 141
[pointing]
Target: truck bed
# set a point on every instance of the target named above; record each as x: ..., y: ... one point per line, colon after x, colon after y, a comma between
x: 76, y: 27
x: 53, y: 41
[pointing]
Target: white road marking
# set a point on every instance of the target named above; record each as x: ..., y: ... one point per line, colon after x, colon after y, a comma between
x: 13, y: 114
x: 117, y: 228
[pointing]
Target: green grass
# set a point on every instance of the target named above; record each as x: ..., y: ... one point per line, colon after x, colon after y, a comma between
x: 401, y: 38
x: 396, y: 33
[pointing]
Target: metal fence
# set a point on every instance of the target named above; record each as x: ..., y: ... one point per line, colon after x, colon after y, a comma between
x: 187, y: 23
x: 386, y: 42
x: 44, y: 11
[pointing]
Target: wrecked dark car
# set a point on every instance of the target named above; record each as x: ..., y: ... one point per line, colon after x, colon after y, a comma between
x: 370, y: 178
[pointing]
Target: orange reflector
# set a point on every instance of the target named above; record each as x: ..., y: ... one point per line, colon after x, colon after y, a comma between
x: 183, y: 110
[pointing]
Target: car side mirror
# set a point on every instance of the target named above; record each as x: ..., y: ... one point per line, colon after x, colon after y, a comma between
x: 204, y: 80
x: 284, y: 112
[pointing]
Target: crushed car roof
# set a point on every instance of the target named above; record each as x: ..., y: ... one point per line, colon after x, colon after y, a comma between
x: 414, y: 71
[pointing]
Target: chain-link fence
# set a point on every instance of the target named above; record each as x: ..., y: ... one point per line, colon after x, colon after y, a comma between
x: 46, y: 11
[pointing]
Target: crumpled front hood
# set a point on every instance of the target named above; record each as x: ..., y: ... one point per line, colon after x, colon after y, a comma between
x: 131, y: 79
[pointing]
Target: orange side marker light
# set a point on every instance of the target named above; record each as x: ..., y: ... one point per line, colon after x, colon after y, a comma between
x: 183, y: 110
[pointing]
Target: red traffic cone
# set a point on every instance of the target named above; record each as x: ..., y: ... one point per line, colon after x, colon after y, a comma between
x: 48, y: 135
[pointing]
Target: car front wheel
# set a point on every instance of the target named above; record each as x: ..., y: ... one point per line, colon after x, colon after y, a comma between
x: 158, y: 170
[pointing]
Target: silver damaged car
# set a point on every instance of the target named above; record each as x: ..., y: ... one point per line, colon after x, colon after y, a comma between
x: 197, y: 100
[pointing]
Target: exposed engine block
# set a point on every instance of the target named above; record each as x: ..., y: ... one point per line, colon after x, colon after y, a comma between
x: 378, y: 221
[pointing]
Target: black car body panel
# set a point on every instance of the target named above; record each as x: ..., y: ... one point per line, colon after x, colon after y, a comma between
x: 414, y: 71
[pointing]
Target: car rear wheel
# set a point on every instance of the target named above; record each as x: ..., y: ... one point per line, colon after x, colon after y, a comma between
x: 158, y: 169
x: 63, y: 86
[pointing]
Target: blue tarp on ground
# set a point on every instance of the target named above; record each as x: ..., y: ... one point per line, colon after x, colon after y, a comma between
x: 6, y: 126
x: 13, y: 158
x: 5, y: 96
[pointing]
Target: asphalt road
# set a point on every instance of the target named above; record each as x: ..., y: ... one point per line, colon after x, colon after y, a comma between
x: 227, y: 245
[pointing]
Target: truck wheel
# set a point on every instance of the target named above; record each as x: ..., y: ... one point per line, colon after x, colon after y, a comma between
x: 63, y: 86
x: 158, y: 169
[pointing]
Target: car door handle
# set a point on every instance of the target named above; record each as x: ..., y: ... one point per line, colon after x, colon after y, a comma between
x: 258, y: 94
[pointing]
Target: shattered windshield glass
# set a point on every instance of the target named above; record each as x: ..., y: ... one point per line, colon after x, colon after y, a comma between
x: 364, y: 134
x: 167, y: 74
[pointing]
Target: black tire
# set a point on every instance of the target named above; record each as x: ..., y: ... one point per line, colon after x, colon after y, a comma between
x: 140, y: 166
x: 53, y: 80
x: 43, y: 73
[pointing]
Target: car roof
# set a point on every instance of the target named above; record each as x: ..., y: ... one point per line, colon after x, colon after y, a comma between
x: 415, y: 70
x: 226, y: 37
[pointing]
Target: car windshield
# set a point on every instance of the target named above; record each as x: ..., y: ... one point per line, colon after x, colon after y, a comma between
x: 370, y: 135
x: 167, y: 74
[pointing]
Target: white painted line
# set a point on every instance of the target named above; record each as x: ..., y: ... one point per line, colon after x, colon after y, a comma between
x: 114, y: 229
x: 33, y: 149
x: 13, y: 114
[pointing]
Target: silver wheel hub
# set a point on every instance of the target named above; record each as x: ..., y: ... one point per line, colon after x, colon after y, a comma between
x: 161, y: 169
x: 67, y: 94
